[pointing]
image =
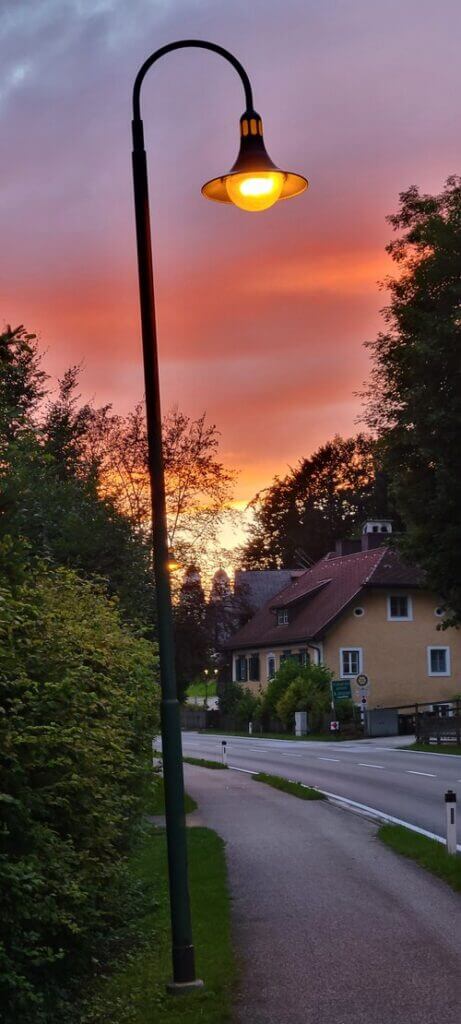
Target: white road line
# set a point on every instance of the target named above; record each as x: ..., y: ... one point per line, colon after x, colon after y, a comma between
x: 328, y: 758
x: 372, y: 812
x: 429, y: 774
x: 363, y: 764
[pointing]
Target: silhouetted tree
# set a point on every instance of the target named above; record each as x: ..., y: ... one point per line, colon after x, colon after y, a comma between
x: 191, y: 637
x: 415, y: 392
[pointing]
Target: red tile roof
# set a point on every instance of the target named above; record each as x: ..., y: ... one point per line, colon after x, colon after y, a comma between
x: 320, y: 594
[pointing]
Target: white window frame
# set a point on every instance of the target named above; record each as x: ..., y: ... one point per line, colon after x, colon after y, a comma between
x: 350, y: 675
x: 438, y: 647
x: 282, y: 616
x: 400, y: 618
x: 271, y: 657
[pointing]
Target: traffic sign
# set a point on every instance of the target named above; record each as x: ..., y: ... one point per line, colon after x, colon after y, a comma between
x: 341, y: 689
x: 362, y: 679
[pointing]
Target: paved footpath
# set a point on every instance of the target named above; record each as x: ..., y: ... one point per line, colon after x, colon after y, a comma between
x: 332, y: 926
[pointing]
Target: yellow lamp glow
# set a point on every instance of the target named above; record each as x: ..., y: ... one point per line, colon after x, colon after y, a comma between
x: 255, y: 191
x: 254, y: 182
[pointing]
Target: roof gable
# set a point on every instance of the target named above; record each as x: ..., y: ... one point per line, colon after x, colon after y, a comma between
x: 321, y: 593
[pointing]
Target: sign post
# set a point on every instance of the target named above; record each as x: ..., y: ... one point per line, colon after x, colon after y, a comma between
x: 340, y: 690
x: 364, y: 683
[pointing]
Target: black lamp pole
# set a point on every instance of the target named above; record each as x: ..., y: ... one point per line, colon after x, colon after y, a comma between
x: 184, y: 976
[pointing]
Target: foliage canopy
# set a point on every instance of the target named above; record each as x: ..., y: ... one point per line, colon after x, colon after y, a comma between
x: 414, y: 401
x: 79, y: 709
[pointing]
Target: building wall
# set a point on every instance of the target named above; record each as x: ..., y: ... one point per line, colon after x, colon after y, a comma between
x: 264, y: 654
x: 393, y: 652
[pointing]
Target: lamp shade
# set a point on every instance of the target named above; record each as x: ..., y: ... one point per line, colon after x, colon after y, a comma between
x: 254, y: 182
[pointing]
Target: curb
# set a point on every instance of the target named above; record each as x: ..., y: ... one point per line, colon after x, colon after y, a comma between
x: 372, y: 813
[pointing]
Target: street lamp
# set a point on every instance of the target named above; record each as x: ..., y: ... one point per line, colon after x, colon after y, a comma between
x: 253, y: 183
x: 205, y: 672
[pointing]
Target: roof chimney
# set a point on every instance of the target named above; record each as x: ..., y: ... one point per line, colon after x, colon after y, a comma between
x: 375, y: 533
x: 347, y: 547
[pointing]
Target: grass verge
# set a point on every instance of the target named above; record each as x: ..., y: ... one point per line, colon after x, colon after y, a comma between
x: 135, y: 993
x: 200, y: 690
x: 434, y: 748
x: 426, y: 852
x: 295, y: 788
x: 156, y: 804
x: 203, y: 763
x: 312, y: 738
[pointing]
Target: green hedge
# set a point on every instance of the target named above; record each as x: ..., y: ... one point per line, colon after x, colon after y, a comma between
x: 77, y: 713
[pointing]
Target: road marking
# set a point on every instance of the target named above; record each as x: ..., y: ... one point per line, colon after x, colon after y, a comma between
x: 363, y: 764
x: 328, y: 758
x: 429, y: 774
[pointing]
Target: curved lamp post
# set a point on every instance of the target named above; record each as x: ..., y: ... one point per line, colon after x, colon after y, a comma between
x: 254, y: 183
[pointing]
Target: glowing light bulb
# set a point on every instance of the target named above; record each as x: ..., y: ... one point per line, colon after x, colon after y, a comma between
x: 255, y: 191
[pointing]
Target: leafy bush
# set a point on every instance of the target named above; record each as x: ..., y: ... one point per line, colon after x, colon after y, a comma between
x: 304, y: 689
x: 248, y: 707
x: 78, y: 710
x: 276, y: 687
x: 230, y: 697
x: 345, y: 711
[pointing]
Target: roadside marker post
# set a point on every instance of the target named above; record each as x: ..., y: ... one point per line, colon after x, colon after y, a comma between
x: 450, y: 803
x: 224, y: 751
x: 250, y: 728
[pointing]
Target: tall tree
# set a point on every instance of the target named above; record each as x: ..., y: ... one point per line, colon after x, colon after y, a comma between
x: 299, y: 517
x: 415, y: 392
x: 222, y: 618
x: 198, y: 485
x: 191, y: 636
x: 49, y: 492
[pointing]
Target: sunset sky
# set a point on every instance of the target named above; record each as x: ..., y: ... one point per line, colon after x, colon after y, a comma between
x: 262, y: 317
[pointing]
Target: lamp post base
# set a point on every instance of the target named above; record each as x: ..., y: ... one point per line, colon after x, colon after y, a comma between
x: 182, y: 988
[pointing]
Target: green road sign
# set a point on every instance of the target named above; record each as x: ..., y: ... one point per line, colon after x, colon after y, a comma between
x: 341, y: 689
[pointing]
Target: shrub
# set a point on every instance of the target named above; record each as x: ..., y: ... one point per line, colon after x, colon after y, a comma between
x: 230, y: 697
x: 248, y: 707
x: 345, y: 711
x: 308, y: 690
x: 78, y: 710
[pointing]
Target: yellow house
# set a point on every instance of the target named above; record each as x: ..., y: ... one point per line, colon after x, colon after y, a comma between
x: 361, y: 613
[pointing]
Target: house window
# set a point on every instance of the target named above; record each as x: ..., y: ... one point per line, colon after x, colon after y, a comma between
x: 438, y: 661
x: 282, y: 616
x: 350, y: 661
x: 399, y: 607
x: 241, y: 669
x: 271, y: 666
x: 285, y: 655
x: 253, y: 668
x: 303, y: 658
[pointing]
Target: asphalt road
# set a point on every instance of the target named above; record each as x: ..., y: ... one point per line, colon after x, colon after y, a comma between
x: 407, y: 784
x: 331, y: 926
